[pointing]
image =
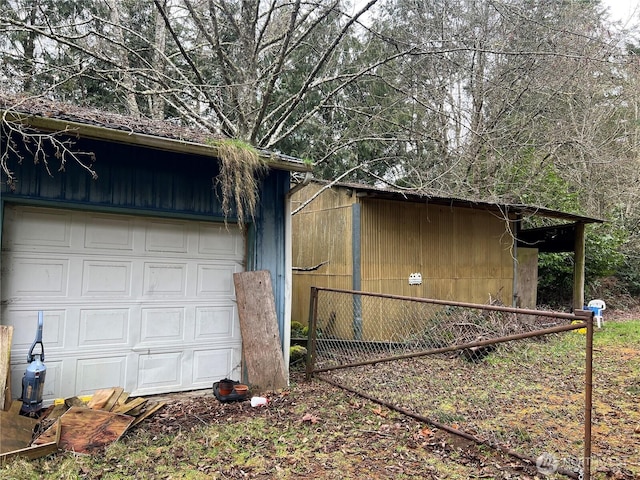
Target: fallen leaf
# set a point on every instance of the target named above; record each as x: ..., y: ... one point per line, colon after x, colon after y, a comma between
x: 379, y: 411
x: 307, y: 417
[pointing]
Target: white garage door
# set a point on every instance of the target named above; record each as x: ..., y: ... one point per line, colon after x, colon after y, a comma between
x: 139, y: 302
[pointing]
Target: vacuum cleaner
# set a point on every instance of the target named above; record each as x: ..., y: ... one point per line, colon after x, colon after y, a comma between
x: 33, y: 380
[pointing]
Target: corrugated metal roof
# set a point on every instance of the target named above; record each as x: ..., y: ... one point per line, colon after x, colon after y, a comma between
x: 422, y: 197
x: 52, y: 116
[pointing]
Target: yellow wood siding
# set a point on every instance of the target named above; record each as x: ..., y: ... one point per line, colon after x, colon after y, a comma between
x: 321, y: 232
x: 463, y: 254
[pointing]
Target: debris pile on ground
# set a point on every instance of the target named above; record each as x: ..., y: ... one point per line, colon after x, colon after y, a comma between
x: 81, y: 425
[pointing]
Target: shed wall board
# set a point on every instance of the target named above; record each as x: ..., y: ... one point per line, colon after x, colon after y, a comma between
x: 328, y: 198
x: 463, y: 254
x: 302, y: 287
x: 527, y: 277
x: 321, y: 235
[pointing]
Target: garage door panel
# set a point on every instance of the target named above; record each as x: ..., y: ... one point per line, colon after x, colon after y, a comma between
x: 99, y: 372
x: 167, y: 237
x: 54, y: 328
x: 211, y: 365
x: 33, y: 227
x: 106, y: 278
x: 25, y: 326
x: 162, y: 325
x: 139, y: 302
x: 53, y: 380
x: 35, y: 277
x: 165, y: 279
x: 215, y: 280
x: 216, y: 323
x: 220, y: 241
x: 109, y: 232
x: 161, y: 371
x: 104, y: 327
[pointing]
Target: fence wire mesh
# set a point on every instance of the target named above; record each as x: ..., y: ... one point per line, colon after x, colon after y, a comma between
x: 511, y: 379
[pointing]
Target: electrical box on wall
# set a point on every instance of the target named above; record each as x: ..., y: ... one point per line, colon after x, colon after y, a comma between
x: 415, y: 279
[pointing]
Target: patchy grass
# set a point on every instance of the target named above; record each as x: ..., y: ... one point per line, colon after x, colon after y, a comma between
x: 528, y: 397
x: 618, y: 333
x: 313, y: 430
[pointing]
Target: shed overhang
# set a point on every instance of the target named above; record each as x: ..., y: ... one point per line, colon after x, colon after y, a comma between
x: 554, y: 239
x: 512, y: 209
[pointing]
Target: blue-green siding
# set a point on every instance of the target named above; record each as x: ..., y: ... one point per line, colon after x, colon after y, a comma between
x: 140, y: 180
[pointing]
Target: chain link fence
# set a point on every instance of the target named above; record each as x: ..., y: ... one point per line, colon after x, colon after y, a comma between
x: 513, y: 379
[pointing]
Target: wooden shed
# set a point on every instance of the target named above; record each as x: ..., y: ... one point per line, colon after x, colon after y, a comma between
x: 133, y: 269
x: 358, y: 237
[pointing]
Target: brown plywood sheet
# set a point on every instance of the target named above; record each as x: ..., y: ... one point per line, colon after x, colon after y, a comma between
x: 129, y: 406
x: 84, y: 430
x: 15, y: 407
x: 121, y: 400
x: 101, y: 397
x: 6, y: 335
x: 261, y: 346
x: 150, y: 409
x: 74, y: 402
x: 32, y: 452
x: 113, y: 399
x: 56, y: 412
x: 16, y: 431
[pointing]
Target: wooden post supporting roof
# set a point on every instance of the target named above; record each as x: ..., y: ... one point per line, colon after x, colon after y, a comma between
x: 578, y: 272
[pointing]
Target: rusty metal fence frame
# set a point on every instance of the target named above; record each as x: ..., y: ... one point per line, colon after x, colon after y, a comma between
x: 578, y: 320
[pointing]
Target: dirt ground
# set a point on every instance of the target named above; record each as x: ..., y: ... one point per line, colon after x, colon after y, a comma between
x: 313, y: 430
x: 341, y: 430
x: 341, y: 435
x: 622, y: 315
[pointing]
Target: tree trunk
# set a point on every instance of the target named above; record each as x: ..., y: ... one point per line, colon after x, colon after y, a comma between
x: 126, y: 81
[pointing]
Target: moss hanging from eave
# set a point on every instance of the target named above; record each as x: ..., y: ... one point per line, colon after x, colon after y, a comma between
x: 241, y: 169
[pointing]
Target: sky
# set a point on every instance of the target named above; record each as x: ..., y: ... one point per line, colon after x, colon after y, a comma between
x: 623, y: 9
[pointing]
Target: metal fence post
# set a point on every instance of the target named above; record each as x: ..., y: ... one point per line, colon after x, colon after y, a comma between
x: 588, y: 392
x: 313, y: 334
x: 357, y: 317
